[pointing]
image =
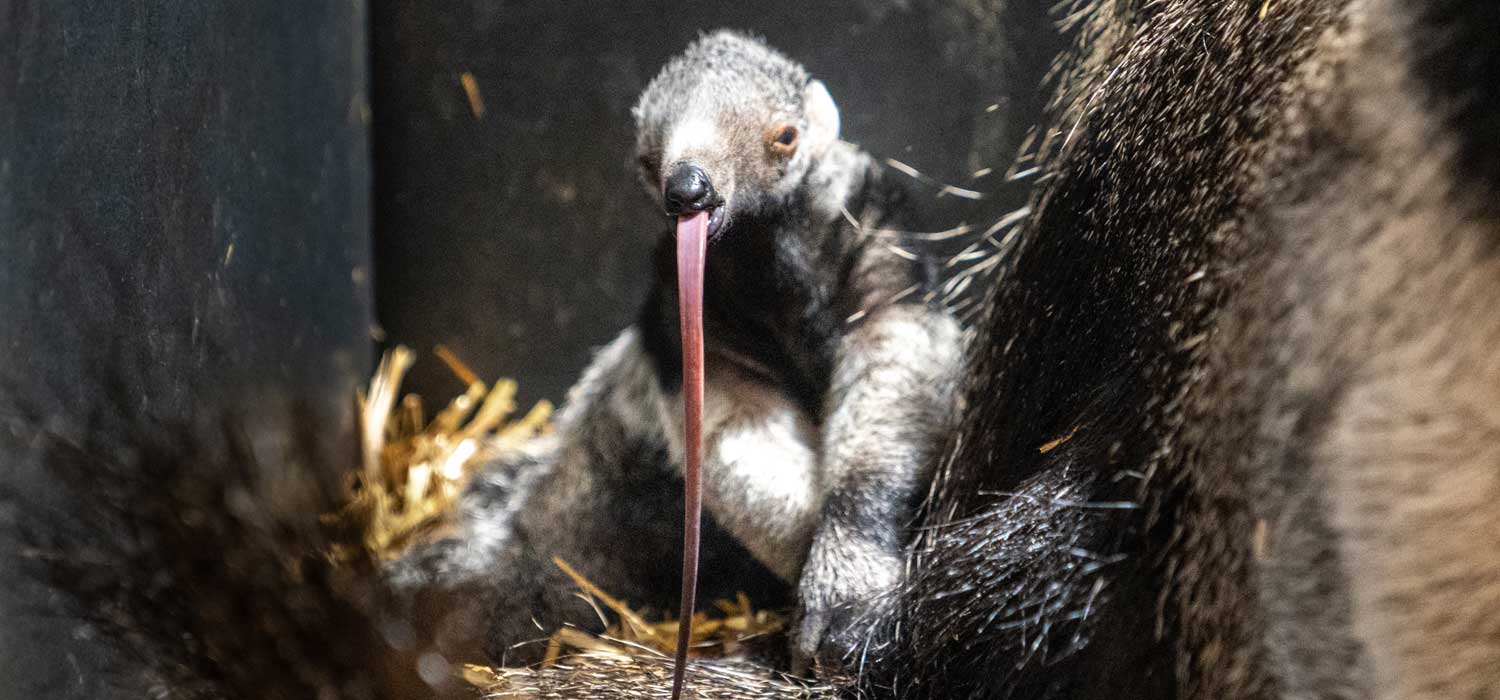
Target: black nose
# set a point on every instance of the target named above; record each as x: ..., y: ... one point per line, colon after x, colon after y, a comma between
x: 688, y: 190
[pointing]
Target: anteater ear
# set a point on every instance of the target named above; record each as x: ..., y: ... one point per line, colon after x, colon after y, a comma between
x: 822, y: 117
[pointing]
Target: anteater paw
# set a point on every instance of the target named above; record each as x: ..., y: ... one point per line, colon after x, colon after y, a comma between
x: 846, y: 587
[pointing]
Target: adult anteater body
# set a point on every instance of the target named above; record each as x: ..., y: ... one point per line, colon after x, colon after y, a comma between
x: 1233, y: 421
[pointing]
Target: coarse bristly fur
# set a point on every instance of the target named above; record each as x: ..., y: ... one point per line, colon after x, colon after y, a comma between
x: 1234, y: 425
x: 1233, y: 419
x: 199, y: 570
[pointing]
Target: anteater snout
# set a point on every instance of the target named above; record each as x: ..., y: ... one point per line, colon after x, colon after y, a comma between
x: 688, y: 190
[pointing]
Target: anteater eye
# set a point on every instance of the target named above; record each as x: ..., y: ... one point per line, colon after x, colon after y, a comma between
x: 783, y: 140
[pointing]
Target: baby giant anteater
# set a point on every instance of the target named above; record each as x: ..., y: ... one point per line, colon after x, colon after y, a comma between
x: 829, y: 383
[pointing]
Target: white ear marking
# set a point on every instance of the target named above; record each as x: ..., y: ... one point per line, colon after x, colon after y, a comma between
x: 822, y: 116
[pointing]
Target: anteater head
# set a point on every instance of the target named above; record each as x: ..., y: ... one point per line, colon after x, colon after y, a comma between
x: 731, y: 126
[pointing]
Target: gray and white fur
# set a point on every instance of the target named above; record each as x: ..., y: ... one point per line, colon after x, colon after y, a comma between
x: 827, y: 392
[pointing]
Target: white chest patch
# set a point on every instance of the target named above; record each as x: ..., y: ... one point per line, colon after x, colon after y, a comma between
x: 761, y: 478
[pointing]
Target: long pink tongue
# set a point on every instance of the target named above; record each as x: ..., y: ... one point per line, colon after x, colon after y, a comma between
x: 692, y: 240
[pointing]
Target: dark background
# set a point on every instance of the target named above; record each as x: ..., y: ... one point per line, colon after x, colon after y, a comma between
x: 520, y: 238
x: 184, y: 199
x: 204, y: 202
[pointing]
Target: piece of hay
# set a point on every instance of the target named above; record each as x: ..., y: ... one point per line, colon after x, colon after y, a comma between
x: 633, y: 657
x: 414, y: 470
x: 712, y: 636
